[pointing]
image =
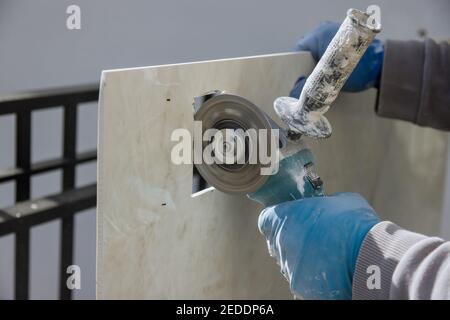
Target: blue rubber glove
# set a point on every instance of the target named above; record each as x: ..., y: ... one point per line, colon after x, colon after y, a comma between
x: 316, y: 242
x: 290, y: 182
x: 365, y: 75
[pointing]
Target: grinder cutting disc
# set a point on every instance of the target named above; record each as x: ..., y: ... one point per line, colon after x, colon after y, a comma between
x: 226, y: 111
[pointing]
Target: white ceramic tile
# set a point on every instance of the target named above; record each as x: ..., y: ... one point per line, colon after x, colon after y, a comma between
x: 155, y: 241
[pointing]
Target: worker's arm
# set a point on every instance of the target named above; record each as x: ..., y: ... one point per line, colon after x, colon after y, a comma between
x: 334, y: 247
x: 413, y: 77
x: 411, y: 265
x: 415, y: 83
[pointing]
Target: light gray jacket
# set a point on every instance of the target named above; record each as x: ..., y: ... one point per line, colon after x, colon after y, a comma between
x: 394, y: 263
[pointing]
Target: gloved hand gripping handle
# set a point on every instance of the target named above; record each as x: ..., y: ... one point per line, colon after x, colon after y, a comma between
x: 305, y: 115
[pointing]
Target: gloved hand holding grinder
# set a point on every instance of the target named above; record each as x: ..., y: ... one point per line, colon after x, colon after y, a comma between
x: 326, y: 246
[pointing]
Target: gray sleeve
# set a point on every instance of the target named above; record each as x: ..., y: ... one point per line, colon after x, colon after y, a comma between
x: 415, y: 83
x: 394, y: 263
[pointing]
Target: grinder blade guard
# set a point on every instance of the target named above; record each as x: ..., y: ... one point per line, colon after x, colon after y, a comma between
x: 231, y: 113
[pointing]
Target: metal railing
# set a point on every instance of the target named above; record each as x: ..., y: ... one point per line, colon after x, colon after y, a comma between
x: 27, y: 212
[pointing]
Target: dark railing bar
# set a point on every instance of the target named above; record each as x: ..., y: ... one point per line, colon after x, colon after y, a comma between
x: 68, y: 182
x: 23, y: 154
x: 66, y: 256
x: 69, y: 145
x: 22, y: 242
x: 4, y: 217
x: 22, y: 262
x: 42, y: 99
x: 34, y: 212
x: 10, y: 174
x: 47, y: 165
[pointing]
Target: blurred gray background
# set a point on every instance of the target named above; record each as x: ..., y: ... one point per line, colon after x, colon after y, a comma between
x: 37, y: 51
